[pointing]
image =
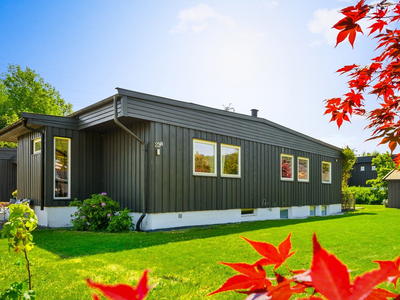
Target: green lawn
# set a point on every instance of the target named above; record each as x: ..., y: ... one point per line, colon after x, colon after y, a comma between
x: 183, y: 263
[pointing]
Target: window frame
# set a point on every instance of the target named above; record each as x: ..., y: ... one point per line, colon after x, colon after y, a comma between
x: 214, y: 174
x: 373, y: 168
x: 239, y: 161
x: 308, y: 169
x: 362, y: 168
x: 69, y: 168
x: 280, y: 168
x: 34, y: 142
x: 330, y: 172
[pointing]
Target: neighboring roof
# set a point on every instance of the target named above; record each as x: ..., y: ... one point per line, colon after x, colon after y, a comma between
x: 8, y: 153
x: 364, y: 159
x: 392, y: 175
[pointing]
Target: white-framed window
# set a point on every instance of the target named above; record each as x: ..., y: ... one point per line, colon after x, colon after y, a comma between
x: 362, y: 168
x: 303, y: 170
x: 204, y: 158
x: 312, y: 210
x: 373, y: 168
x: 286, y: 167
x: 230, y: 161
x: 62, y: 168
x: 37, y: 146
x: 326, y: 172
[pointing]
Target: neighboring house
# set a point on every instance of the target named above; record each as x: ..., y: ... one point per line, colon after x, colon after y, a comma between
x: 393, y: 179
x: 8, y: 173
x: 363, y: 170
x: 173, y: 163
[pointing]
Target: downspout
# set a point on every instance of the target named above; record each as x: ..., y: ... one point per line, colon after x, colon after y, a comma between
x: 42, y: 156
x: 142, y: 167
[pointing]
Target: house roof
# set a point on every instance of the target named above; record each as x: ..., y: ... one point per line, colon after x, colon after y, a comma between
x: 11, y: 132
x: 8, y: 153
x: 392, y: 175
x: 364, y: 159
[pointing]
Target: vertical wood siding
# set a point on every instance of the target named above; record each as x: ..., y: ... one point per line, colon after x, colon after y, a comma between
x: 121, y: 164
x: 28, y: 168
x: 85, y: 166
x: 8, y: 178
x: 173, y: 187
x: 394, y: 193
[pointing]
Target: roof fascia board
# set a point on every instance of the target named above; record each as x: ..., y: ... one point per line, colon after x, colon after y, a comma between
x: 52, y: 121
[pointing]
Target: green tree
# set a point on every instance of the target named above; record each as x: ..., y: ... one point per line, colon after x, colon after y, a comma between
x: 384, y: 164
x: 348, y: 160
x: 25, y: 91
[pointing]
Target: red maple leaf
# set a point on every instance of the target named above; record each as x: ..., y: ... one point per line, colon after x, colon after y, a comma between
x: 272, y: 255
x: 122, y: 291
x: 253, y: 277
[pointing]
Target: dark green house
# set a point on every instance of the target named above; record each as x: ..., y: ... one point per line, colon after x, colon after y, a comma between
x: 8, y: 173
x: 173, y: 163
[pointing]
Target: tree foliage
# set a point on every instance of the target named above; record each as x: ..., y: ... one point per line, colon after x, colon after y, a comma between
x: 25, y: 91
x: 384, y: 164
x: 379, y: 78
x: 348, y: 161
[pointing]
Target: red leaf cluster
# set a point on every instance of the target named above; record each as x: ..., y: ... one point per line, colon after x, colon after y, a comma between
x: 328, y: 276
x: 380, y: 78
x: 122, y: 291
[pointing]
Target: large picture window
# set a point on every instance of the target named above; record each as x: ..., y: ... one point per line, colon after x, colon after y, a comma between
x: 204, y: 158
x: 303, y: 169
x: 230, y: 161
x: 62, y: 168
x: 326, y: 172
x: 286, y: 167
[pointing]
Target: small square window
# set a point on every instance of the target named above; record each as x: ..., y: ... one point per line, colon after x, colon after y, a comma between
x: 204, y: 158
x: 323, y: 210
x: 286, y: 167
x: 326, y: 172
x: 373, y: 168
x: 362, y: 168
x: 284, y: 213
x: 312, y: 210
x: 37, y: 146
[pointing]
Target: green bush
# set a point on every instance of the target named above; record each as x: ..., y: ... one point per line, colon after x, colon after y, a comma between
x: 120, y: 221
x: 365, y: 195
x: 98, y: 213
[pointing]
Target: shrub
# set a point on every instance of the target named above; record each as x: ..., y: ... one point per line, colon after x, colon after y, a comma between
x: 120, y: 221
x: 98, y: 212
x: 365, y: 195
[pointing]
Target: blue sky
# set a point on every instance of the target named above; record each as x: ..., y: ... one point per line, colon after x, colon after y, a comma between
x: 276, y: 56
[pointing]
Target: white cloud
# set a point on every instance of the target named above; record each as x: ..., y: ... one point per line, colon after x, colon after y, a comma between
x: 322, y: 23
x: 199, y: 17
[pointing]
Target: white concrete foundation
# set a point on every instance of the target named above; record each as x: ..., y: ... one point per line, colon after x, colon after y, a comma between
x: 55, y: 216
x: 60, y: 216
x: 212, y: 217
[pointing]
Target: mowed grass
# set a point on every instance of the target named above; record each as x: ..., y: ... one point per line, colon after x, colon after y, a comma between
x: 183, y: 263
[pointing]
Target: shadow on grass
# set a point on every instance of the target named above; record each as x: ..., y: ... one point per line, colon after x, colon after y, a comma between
x: 67, y: 243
